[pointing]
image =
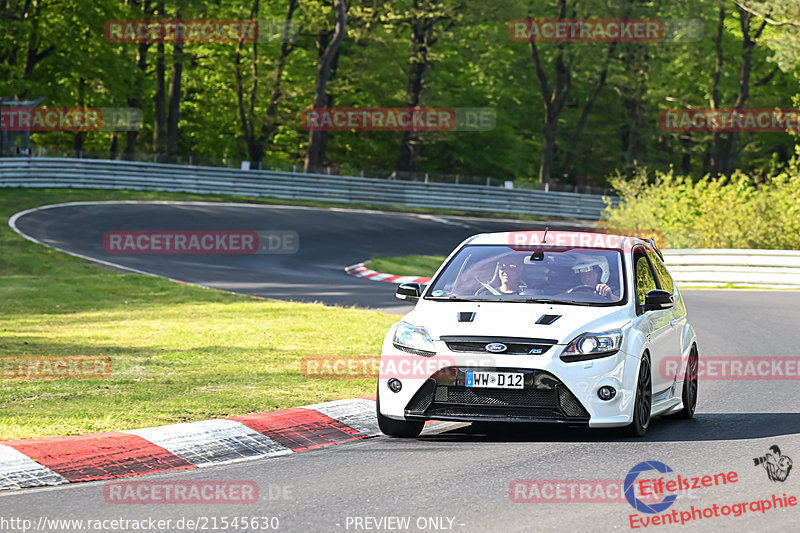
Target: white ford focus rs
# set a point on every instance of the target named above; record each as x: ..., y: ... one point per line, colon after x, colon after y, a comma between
x: 564, y: 327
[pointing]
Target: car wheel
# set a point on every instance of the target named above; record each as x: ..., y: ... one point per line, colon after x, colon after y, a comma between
x: 643, y: 401
x: 397, y: 428
x: 690, y: 386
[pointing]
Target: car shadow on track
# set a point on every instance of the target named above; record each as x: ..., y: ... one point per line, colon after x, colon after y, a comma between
x: 713, y: 426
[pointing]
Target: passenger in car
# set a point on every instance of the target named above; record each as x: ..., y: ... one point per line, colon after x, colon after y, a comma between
x: 591, y: 274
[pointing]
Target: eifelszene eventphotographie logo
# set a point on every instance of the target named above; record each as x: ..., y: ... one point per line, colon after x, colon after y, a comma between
x: 777, y: 466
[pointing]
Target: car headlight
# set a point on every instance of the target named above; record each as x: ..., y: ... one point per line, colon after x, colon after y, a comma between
x: 413, y: 339
x: 592, y: 346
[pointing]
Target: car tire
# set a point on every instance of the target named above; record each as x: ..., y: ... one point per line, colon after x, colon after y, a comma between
x: 643, y: 401
x: 689, y: 395
x: 397, y: 428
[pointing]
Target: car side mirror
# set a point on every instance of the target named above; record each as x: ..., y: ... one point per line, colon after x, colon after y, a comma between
x: 658, y: 299
x: 409, y: 292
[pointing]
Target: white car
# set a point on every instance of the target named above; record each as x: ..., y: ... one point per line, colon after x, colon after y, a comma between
x: 566, y: 327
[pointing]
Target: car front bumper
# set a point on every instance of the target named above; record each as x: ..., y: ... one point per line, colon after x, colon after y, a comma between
x: 554, y: 391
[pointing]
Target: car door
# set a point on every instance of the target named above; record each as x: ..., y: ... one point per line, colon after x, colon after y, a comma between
x: 677, y: 313
x: 654, y: 324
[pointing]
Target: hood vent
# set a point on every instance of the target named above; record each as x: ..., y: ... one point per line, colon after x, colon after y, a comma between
x: 466, y: 316
x: 547, y: 319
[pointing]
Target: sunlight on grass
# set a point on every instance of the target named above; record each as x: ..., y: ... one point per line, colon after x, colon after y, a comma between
x: 410, y: 265
x: 179, y: 353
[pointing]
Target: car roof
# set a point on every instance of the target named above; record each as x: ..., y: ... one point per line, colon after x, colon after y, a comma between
x: 586, y: 239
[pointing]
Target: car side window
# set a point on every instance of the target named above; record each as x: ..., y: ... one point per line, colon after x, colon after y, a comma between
x: 664, y: 279
x: 644, y: 278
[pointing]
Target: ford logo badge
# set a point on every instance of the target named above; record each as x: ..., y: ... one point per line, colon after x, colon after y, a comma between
x: 496, y: 347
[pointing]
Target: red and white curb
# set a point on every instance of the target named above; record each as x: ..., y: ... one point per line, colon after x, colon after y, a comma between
x: 360, y: 271
x: 56, y: 460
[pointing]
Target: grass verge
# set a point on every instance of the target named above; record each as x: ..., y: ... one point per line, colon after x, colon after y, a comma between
x: 179, y: 353
x: 409, y: 265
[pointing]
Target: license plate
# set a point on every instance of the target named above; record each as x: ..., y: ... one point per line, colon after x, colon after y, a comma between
x: 495, y: 380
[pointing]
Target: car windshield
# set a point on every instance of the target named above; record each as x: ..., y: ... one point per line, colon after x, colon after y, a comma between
x: 570, y: 275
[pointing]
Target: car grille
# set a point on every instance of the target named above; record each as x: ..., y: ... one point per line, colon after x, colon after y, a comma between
x: 544, y: 397
x: 514, y: 345
x: 423, y: 398
x: 472, y: 396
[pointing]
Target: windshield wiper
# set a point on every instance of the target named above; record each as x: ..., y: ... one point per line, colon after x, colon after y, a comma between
x: 559, y: 302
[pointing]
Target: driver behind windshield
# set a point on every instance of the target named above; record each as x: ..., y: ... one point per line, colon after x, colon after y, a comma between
x: 509, y: 272
x: 591, y: 274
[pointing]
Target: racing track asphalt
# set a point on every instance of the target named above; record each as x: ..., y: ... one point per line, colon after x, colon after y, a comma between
x: 458, y: 471
x: 329, y: 240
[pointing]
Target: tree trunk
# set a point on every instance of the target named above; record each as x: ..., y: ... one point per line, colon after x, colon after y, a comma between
x: 686, y: 156
x: 633, y: 102
x: 256, y: 143
x: 554, y: 99
x: 80, y: 136
x: 173, y: 114
x: 548, y: 146
x: 726, y: 151
x: 33, y: 55
x: 715, y: 77
x: 271, y: 124
x: 731, y: 154
x: 246, y: 111
x: 421, y: 41
x: 317, y: 140
x: 135, y: 100
x: 158, y: 117
x: 587, y: 109
x: 112, y: 151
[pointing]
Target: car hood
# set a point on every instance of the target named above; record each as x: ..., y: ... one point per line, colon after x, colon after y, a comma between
x: 507, y: 319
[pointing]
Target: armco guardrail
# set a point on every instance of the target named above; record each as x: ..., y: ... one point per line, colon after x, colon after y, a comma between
x: 111, y: 174
x: 765, y: 268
